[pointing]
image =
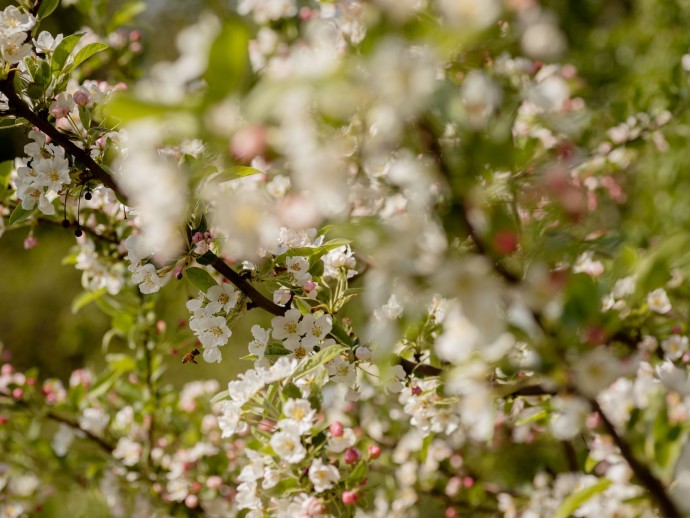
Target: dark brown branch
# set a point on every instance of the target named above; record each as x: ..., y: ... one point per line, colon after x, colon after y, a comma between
x: 36, y: 7
x: 437, y: 155
x: 257, y: 298
x: 643, y: 474
x: 64, y: 420
x: 422, y: 369
x: 73, y: 424
x: 23, y: 110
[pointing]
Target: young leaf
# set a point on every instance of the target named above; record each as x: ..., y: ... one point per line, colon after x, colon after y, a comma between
x: 85, y: 53
x: 63, y: 51
x: 46, y: 8
x: 312, y: 363
x: 125, y: 15
x: 20, y: 214
x: 200, y: 278
x: 341, y: 335
x: 86, y: 298
x: 228, y: 62
x: 580, y: 497
x: 220, y: 396
x: 125, y: 107
x: 5, y: 171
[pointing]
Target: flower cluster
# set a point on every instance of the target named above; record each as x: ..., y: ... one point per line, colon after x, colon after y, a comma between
x: 42, y: 175
x: 208, y: 321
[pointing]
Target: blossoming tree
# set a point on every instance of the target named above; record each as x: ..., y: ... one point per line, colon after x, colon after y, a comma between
x: 463, y: 238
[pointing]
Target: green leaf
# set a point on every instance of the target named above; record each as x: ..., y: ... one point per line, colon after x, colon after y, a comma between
x: 121, y: 362
x: 358, y: 474
x: 108, y: 337
x: 228, y: 62
x: 104, y: 384
x: 123, y: 322
x: 580, y: 497
x: 20, y: 214
x: 590, y: 464
x: 273, y: 350
x: 291, y: 391
x: 532, y: 417
x: 316, y: 251
x: 85, y: 53
x: 125, y: 15
x: 200, y: 278
x: 124, y: 108
x: 312, y: 363
x: 86, y: 298
x: 5, y: 171
x: 46, y: 9
x: 235, y: 172
x: 341, y: 335
x: 43, y: 75
x: 302, y: 305
x: 220, y: 396
x: 63, y: 51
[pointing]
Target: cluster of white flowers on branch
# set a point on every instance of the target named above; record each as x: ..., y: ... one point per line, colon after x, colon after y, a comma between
x: 436, y: 240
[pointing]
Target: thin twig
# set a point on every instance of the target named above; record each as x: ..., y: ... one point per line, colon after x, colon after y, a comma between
x: 64, y: 420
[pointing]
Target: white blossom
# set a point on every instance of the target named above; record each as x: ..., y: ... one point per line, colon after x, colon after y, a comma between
x: 323, y: 476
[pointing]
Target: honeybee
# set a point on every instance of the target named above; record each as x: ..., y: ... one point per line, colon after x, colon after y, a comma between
x: 189, y: 357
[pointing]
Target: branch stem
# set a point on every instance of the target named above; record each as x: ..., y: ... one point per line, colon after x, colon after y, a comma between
x: 21, y: 109
x: 258, y: 299
x: 643, y: 474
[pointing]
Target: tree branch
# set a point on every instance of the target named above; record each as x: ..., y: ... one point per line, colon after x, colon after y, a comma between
x: 258, y: 299
x: 64, y: 420
x: 643, y: 474
x: 23, y: 110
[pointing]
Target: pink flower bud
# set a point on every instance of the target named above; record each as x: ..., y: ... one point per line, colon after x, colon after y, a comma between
x: 81, y: 98
x: 336, y: 429
x: 309, y: 285
x: 450, y: 512
x: 315, y: 507
x: 351, y: 456
x: 17, y: 393
x: 214, y: 482
x: 467, y: 482
x: 59, y: 112
x: 191, y: 501
x: 374, y: 451
x: 249, y: 142
x: 30, y: 242
x: 349, y: 497
x: 160, y: 327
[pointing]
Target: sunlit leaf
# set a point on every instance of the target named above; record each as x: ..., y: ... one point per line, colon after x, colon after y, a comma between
x: 575, y: 500
x: 200, y: 278
x: 86, y: 298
